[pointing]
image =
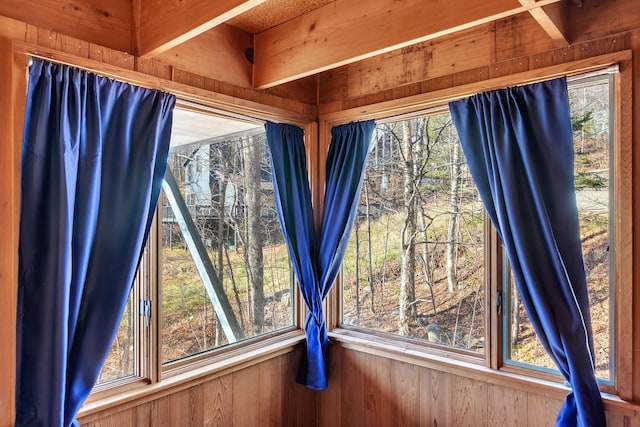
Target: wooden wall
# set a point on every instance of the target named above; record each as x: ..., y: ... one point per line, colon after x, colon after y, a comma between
x: 264, y: 395
x: 510, y: 46
x: 12, y: 98
x: 205, y: 79
x: 371, y: 390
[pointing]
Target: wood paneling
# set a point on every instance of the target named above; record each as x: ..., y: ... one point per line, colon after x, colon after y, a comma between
x: 463, y: 51
x: 405, y: 389
x: 264, y: 394
x: 218, y: 395
x: 518, y: 36
x: 542, y: 409
x: 121, y: 419
x: 635, y: 43
x: 165, y: 24
x: 353, y: 374
x: 217, y: 54
x: 126, y: 67
x: 506, y: 407
x: 435, y: 389
x: 377, y: 391
x: 599, y: 18
x: 623, y: 155
x: 451, y: 63
x: 468, y: 401
x: 105, y: 22
x: 299, y: 404
x: 12, y: 29
x: 222, y: 69
x: 12, y: 98
x: 342, y: 33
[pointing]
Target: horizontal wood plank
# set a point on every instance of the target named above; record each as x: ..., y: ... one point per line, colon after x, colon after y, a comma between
x: 391, y: 107
x: 105, y: 22
x: 258, y: 104
x: 600, y: 18
x: 216, y: 54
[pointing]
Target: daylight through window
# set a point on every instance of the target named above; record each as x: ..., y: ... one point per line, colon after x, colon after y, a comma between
x: 417, y: 258
x: 225, y: 271
x: 591, y: 118
x: 415, y: 263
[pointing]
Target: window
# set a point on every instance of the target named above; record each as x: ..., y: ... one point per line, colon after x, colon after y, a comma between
x: 121, y: 361
x: 222, y: 273
x: 415, y: 264
x: 225, y: 272
x: 591, y: 119
x: 420, y: 255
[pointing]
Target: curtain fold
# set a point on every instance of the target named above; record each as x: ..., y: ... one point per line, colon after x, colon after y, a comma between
x: 518, y: 144
x: 94, y: 155
x: 316, y: 257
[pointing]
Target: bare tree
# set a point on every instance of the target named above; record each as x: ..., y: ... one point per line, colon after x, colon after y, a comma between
x: 454, y: 206
x: 369, y: 251
x: 255, y: 239
x: 407, y: 312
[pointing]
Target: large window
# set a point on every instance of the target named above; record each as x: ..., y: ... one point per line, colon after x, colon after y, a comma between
x: 225, y: 271
x: 419, y: 259
x: 216, y: 268
x: 415, y: 264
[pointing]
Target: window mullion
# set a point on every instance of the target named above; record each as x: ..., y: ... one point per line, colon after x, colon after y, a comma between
x: 493, y: 277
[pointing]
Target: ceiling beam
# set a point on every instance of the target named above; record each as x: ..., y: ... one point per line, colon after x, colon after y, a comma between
x: 163, y: 24
x: 344, y: 31
x: 553, y: 19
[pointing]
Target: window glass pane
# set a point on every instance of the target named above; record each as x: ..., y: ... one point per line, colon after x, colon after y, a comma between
x: 225, y: 245
x: 415, y: 261
x: 121, y: 360
x: 591, y: 110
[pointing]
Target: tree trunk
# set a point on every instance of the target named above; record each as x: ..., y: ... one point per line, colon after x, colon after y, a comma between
x: 236, y: 291
x: 369, y: 250
x: 255, y: 238
x: 128, y: 338
x: 515, y: 314
x: 454, y: 206
x: 426, y: 260
x: 357, y: 273
x: 407, y: 283
x: 222, y: 244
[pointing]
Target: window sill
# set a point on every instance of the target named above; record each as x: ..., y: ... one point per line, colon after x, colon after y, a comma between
x: 219, y: 366
x: 464, y: 366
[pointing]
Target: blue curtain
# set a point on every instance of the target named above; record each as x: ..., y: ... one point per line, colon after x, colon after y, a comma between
x: 94, y: 155
x: 316, y: 258
x: 518, y: 144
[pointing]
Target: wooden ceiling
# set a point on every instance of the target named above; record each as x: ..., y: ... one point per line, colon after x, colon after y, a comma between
x: 290, y: 39
x: 272, y: 13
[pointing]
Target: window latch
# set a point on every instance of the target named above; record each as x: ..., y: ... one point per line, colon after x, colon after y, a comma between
x: 145, y: 310
x: 499, y: 302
